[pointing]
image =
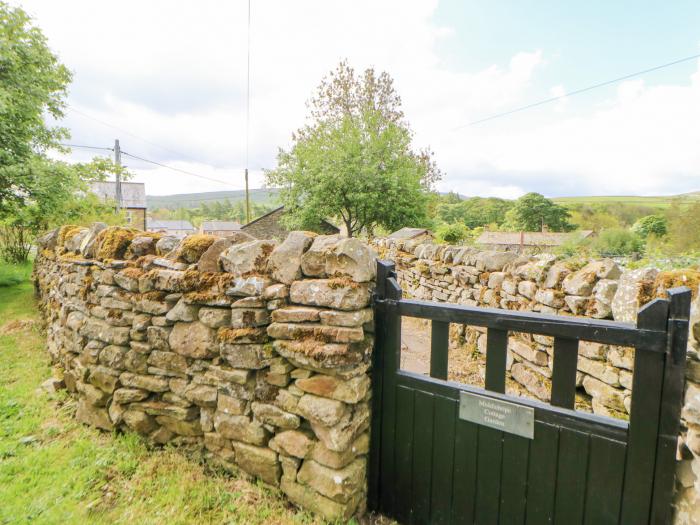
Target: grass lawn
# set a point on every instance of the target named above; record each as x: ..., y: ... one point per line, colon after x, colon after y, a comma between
x: 54, y: 470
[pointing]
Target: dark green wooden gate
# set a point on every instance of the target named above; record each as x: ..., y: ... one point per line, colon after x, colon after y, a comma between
x: 429, y: 466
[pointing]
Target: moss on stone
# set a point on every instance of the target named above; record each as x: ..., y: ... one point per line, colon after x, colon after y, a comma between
x: 193, y: 246
x: 66, y: 232
x: 113, y: 242
x: 674, y: 278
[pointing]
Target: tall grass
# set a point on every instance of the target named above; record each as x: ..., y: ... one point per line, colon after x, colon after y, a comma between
x: 12, y: 274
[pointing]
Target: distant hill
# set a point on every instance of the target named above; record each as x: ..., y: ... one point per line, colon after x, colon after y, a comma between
x: 269, y: 196
x: 193, y: 200
x: 652, y: 202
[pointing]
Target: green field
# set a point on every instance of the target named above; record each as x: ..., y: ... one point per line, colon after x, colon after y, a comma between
x: 660, y: 202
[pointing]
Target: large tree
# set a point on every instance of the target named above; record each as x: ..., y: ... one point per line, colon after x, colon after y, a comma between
x: 534, y: 212
x: 37, y: 192
x: 33, y: 85
x: 354, y: 160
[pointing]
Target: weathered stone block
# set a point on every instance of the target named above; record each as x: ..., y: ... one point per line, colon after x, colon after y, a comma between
x: 352, y: 390
x: 337, y: 484
x: 259, y: 461
x: 248, y: 257
x: 321, y: 410
x: 193, y: 340
x: 215, y: 317
x: 249, y: 317
x: 332, y: 293
x: 292, y: 443
x: 240, y: 428
x: 275, y: 416
x: 285, y: 260
x: 301, y: 331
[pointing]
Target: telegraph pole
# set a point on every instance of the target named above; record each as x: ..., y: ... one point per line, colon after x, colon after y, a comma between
x: 247, y: 127
x: 118, y: 177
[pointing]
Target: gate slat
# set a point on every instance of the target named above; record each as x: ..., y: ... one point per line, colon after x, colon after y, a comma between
x: 464, y: 485
x: 403, y: 451
x: 488, y: 481
x: 516, y: 451
x: 605, y: 476
x: 542, y: 474
x: 443, y: 459
x: 439, y: 343
x: 423, y: 421
x: 496, y: 354
x: 564, y: 372
x: 647, y: 383
x: 571, y: 477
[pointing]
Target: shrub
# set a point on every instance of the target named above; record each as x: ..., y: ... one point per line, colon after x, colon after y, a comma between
x: 452, y: 233
x: 617, y: 241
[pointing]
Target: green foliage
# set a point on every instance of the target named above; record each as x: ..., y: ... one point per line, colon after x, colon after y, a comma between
x: 33, y: 83
x: 452, y: 233
x: 656, y: 225
x: 575, y: 245
x: 59, y: 195
x: 354, y: 160
x: 474, y: 212
x: 533, y: 211
x: 11, y: 274
x: 224, y: 210
x: 617, y: 242
x: 683, y: 228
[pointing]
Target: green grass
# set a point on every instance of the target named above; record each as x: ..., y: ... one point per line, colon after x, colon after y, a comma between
x: 12, y: 274
x: 54, y: 470
x: 653, y: 202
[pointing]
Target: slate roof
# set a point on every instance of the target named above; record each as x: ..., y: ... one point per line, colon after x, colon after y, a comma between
x: 220, y: 226
x: 409, y: 233
x: 530, y: 238
x: 133, y: 193
x: 154, y: 225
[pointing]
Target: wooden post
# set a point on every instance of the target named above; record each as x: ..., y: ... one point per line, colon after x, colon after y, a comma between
x: 671, y: 404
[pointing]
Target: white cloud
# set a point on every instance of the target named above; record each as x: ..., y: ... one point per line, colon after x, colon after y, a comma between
x: 174, y: 72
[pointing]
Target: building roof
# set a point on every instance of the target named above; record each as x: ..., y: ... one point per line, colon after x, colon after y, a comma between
x: 220, y: 226
x: 531, y: 238
x: 409, y: 233
x: 133, y: 193
x: 170, y: 225
x: 281, y: 209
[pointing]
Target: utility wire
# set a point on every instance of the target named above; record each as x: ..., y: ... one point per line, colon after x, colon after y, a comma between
x: 85, y: 147
x: 104, y: 123
x: 175, y: 169
x: 576, y: 92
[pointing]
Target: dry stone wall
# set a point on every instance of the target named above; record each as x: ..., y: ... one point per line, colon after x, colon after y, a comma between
x: 544, y: 283
x: 256, y: 350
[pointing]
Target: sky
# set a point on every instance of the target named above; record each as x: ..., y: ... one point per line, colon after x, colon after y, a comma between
x: 168, y: 79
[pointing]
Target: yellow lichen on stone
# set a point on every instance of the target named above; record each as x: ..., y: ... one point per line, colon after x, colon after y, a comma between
x: 193, y: 246
x: 113, y: 242
x: 674, y: 278
x: 66, y: 232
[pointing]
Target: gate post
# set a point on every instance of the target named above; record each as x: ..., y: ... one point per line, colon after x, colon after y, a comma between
x: 671, y: 404
x: 384, y: 270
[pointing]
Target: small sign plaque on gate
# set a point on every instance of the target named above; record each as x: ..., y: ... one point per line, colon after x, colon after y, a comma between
x: 494, y: 413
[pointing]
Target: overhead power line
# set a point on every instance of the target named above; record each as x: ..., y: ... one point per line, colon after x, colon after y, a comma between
x: 577, y: 92
x: 86, y: 147
x: 175, y: 169
x: 105, y: 123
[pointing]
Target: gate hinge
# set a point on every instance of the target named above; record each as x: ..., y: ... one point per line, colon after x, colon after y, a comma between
x: 384, y: 303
